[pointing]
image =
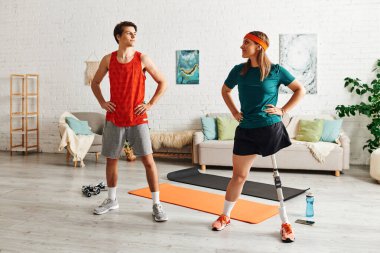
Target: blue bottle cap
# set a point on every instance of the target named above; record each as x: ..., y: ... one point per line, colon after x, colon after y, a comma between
x: 309, y: 194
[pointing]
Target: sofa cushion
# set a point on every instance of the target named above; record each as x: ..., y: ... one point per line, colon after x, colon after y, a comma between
x: 310, y: 130
x: 78, y: 126
x: 95, y: 120
x: 226, y: 127
x: 331, y: 130
x: 292, y: 127
x: 209, y: 128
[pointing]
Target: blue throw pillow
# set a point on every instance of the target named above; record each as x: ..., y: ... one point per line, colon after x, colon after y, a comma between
x: 209, y: 128
x: 331, y: 130
x: 78, y: 126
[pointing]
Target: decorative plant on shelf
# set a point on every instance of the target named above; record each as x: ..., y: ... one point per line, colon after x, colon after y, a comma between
x: 129, y: 152
x: 371, y: 108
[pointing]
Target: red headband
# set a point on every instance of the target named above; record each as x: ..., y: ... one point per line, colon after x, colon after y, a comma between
x: 257, y: 40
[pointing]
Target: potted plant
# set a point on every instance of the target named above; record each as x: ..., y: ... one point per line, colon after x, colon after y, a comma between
x: 370, y: 107
x: 129, y: 152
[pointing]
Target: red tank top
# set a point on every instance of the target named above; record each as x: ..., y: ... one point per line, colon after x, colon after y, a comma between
x: 127, y: 82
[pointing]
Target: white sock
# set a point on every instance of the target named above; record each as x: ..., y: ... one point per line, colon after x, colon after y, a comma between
x: 156, y: 197
x: 112, y: 193
x: 228, y: 205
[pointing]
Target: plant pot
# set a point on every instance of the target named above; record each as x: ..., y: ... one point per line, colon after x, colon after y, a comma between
x: 129, y: 154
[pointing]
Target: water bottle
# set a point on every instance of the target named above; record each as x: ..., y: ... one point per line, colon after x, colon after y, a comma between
x: 310, y: 206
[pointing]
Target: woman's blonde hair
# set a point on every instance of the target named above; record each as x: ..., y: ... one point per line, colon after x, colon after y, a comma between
x: 262, y: 58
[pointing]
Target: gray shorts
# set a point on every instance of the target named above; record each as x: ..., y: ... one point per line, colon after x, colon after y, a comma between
x: 114, y: 138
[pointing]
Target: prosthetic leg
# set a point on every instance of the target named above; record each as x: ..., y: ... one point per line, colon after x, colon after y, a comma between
x: 280, y: 196
x: 287, y: 234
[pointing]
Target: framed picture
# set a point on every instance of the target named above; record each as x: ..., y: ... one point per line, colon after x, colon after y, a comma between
x: 298, y: 55
x: 187, y: 62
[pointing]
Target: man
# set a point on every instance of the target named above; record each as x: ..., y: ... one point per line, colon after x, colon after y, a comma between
x: 126, y: 117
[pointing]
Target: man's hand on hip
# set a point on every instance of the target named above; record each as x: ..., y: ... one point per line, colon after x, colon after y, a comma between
x: 108, y: 106
x: 143, y: 108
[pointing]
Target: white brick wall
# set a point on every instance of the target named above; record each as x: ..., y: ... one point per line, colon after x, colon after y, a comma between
x: 54, y: 38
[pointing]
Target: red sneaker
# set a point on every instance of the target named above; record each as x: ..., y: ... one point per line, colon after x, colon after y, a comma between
x: 222, y: 222
x: 287, y: 234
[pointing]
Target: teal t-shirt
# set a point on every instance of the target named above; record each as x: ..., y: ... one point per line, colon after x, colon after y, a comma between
x: 254, y: 94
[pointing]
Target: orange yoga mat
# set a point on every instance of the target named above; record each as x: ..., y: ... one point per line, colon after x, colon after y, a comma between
x: 244, y: 210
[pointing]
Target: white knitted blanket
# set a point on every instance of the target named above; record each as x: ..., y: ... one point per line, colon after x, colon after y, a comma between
x: 320, y: 150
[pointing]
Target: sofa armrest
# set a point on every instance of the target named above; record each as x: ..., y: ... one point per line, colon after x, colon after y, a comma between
x: 198, y: 137
x: 345, y: 142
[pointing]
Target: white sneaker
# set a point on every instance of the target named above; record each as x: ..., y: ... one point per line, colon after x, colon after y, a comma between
x: 159, y: 213
x: 106, y: 206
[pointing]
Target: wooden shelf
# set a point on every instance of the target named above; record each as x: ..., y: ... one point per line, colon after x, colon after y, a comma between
x: 24, y: 115
x: 18, y: 131
x: 25, y: 76
x: 21, y: 94
x: 24, y: 148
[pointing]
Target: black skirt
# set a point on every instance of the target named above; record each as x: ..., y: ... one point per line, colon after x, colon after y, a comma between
x: 262, y: 141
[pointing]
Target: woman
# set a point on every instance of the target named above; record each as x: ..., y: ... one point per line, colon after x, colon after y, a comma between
x: 260, y: 130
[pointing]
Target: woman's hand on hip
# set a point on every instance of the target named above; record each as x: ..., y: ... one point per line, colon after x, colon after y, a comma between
x: 273, y: 110
x: 238, y: 116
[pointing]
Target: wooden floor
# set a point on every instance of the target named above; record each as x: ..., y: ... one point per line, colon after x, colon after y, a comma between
x: 42, y: 209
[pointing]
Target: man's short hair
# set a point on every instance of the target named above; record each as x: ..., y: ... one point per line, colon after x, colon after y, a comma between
x: 119, y: 28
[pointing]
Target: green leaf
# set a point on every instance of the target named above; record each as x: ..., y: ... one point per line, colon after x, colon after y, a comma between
x: 366, y: 106
x: 347, y: 111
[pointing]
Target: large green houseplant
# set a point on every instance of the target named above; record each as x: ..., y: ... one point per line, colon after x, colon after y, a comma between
x: 370, y: 107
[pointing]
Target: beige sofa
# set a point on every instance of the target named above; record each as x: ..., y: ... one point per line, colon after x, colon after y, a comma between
x: 296, y: 156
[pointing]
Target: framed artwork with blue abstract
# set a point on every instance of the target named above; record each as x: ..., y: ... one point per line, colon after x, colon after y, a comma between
x: 187, y: 62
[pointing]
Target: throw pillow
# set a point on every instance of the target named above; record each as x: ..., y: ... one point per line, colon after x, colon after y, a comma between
x: 209, y: 128
x: 226, y: 127
x: 310, y: 130
x: 331, y: 130
x: 79, y: 127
